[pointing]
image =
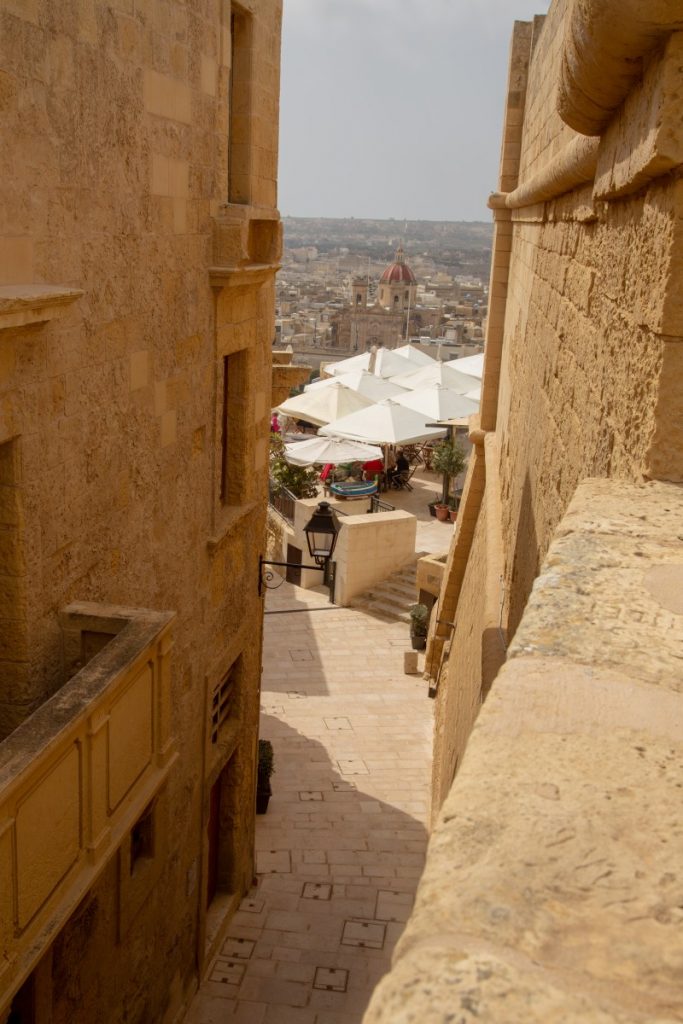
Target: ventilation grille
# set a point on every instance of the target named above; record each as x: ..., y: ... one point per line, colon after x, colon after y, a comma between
x: 221, y: 703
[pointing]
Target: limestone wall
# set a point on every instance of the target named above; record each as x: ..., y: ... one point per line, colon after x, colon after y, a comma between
x: 584, y: 359
x: 119, y: 150
x: 370, y: 548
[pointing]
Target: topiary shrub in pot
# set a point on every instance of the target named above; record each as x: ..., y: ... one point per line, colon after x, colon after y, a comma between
x: 266, y: 767
x: 448, y: 458
x: 419, y: 624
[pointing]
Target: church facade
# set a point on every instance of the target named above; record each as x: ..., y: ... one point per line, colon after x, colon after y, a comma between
x: 393, y: 317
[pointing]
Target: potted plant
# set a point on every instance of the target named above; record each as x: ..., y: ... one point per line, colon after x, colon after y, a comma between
x: 419, y: 623
x: 266, y: 768
x: 448, y: 458
x: 300, y: 481
x: 453, y: 504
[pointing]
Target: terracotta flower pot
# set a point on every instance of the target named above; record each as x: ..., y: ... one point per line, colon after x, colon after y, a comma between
x: 442, y: 513
x: 453, y: 513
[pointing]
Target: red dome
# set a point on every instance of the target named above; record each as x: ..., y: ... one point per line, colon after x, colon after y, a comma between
x: 398, y: 272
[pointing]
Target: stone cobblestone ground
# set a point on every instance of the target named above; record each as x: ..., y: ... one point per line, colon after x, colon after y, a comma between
x: 340, y: 851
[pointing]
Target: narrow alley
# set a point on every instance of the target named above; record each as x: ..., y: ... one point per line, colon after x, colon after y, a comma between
x: 341, y: 848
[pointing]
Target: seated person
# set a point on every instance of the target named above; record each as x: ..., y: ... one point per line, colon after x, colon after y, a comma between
x: 402, y: 466
x: 372, y: 469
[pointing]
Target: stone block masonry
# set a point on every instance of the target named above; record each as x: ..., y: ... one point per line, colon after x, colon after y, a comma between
x: 117, y: 314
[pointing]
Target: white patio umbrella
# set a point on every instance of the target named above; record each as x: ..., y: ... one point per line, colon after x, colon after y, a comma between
x: 320, y: 407
x: 475, y: 394
x: 321, y: 450
x: 415, y: 355
x: 387, y: 364
x: 375, y: 388
x: 437, y: 374
x: 474, y: 365
x: 384, y: 423
x: 438, y: 403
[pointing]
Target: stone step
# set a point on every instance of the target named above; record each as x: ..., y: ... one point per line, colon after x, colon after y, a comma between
x: 390, y: 599
x: 382, y: 611
x: 402, y: 588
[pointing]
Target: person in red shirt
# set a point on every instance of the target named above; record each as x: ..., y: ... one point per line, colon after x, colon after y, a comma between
x: 372, y: 469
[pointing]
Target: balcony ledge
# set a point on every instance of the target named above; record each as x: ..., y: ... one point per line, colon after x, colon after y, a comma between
x: 25, y: 304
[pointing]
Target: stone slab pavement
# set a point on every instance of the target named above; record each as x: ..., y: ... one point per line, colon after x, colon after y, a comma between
x: 342, y: 846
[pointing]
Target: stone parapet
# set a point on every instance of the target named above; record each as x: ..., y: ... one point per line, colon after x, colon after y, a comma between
x: 285, y: 377
x: 552, y: 889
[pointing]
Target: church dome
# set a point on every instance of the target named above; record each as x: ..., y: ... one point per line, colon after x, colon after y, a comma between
x: 398, y: 272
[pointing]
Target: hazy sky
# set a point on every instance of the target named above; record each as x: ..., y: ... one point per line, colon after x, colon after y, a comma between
x: 392, y: 108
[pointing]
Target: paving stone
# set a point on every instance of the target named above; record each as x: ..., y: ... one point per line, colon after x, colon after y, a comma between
x: 331, y: 979
x: 393, y: 905
x: 237, y: 948
x: 273, y: 861
x: 316, y: 891
x: 363, y: 933
x: 353, y: 766
x: 227, y: 972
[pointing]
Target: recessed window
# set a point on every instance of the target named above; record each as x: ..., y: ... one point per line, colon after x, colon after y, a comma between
x: 239, y: 140
x: 142, y: 838
x: 233, y: 428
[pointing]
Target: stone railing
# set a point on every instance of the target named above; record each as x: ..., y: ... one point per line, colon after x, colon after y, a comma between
x: 552, y: 890
x: 77, y: 775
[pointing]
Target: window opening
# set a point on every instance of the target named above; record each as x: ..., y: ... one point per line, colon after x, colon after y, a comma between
x: 233, y: 426
x: 239, y: 128
x: 142, y: 838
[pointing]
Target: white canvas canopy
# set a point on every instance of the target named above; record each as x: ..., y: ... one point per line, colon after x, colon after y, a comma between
x: 438, y: 374
x: 318, y: 451
x: 438, y: 403
x: 374, y: 388
x: 320, y: 407
x: 415, y: 355
x: 387, y: 364
x: 384, y: 423
x: 473, y: 365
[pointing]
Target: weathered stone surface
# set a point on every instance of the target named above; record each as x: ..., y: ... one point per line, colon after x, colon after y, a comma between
x: 557, y: 853
x: 452, y: 987
x: 117, y: 125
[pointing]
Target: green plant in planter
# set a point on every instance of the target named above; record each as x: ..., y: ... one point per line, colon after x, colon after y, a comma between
x: 300, y: 480
x: 419, y: 624
x: 266, y: 767
x: 448, y: 458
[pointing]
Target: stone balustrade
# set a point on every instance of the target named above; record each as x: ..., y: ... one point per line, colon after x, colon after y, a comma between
x: 78, y: 774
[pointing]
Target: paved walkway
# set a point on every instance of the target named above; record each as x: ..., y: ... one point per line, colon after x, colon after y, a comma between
x: 341, y: 848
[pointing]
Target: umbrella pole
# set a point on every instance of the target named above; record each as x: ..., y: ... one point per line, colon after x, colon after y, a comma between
x: 386, y: 466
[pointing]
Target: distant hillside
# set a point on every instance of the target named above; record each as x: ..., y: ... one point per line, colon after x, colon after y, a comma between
x: 377, y: 237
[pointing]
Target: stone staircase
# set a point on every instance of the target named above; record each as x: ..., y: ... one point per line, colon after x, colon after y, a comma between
x: 390, y: 599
